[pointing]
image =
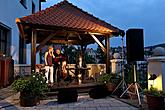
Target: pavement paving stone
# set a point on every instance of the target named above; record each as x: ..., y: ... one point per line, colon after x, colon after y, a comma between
x: 80, y: 108
x: 103, y: 108
x: 133, y: 108
x: 70, y: 108
x: 114, y: 108
x: 124, y: 108
x: 91, y: 109
x: 83, y: 103
x: 113, y: 104
x: 123, y: 104
x: 104, y: 105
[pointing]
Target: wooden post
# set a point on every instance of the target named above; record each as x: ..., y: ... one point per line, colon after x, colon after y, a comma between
x: 22, y: 50
x: 40, y: 54
x: 83, y: 72
x: 107, y: 43
x: 33, y: 50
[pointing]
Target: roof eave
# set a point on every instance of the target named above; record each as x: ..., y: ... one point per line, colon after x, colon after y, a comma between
x: 48, y: 27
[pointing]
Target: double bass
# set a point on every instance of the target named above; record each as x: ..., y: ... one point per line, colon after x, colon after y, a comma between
x: 60, y: 61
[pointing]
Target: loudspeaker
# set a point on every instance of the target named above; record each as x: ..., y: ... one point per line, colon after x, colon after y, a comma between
x: 135, y: 45
x: 67, y: 95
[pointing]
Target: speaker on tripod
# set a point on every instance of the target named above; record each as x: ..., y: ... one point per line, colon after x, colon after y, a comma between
x: 135, y: 52
x: 135, y: 45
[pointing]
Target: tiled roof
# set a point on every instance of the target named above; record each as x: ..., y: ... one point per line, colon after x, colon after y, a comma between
x: 65, y: 14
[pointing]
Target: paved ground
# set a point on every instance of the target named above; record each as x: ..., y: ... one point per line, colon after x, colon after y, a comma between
x: 11, y: 102
x: 6, y: 92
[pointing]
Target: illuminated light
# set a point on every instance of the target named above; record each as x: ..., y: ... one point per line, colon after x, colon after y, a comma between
x: 17, y: 20
x: 96, y: 33
x: 79, y: 75
x: 155, y: 82
x: 80, y: 61
x: 158, y: 82
x: 79, y: 79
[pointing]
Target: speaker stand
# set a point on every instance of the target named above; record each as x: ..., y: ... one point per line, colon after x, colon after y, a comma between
x: 136, y: 86
x: 122, y: 83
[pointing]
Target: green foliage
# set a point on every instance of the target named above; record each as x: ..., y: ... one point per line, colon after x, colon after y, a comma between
x: 71, y: 52
x: 101, y: 55
x: 34, y: 85
x: 89, y: 59
x: 20, y: 84
x: 74, y: 53
x: 109, y: 78
x: 154, y: 91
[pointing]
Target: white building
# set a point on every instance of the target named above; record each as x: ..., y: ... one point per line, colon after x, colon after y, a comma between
x: 9, y: 35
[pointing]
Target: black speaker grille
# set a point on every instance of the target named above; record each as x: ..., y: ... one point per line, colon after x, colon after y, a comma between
x: 135, y: 45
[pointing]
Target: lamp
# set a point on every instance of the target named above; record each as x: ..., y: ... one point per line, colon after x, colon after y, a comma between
x: 152, y: 77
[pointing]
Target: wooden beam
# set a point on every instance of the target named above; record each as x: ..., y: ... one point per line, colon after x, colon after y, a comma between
x: 22, y: 50
x: 45, y: 41
x: 94, y: 33
x: 83, y: 48
x: 22, y: 44
x: 20, y: 27
x: 98, y: 42
x: 33, y: 50
x: 79, y: 36
x: 66, y: 41
x: 107, y: 42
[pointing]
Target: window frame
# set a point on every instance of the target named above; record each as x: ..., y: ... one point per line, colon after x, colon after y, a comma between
x: 24, y: 3
x: 33, y: 7
x: 5, y: 43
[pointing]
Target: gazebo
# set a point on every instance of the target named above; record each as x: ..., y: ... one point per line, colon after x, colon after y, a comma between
x: 64, y: 23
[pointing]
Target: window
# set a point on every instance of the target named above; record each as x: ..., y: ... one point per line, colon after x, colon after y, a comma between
x: 33, y: 7
x: 5, y: 40
x: 23, y: 2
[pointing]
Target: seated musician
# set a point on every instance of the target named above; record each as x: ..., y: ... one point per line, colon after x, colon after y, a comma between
x: 59, y: 65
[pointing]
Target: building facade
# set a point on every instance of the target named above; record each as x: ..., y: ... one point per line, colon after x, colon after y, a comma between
x: 9, y: 34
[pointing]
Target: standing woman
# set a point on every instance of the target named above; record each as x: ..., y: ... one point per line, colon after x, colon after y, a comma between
x: 49, y: 65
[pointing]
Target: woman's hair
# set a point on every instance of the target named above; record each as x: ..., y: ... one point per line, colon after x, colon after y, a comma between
x: 50, y: 47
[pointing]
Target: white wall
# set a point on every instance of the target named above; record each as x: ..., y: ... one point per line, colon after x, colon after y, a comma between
x: 9, y: 11
x: 156, y: 66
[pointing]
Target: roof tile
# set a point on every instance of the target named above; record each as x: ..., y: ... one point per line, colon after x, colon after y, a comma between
x: 65, y: 14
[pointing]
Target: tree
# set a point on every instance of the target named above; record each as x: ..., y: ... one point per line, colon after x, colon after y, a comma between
x: 89, y: 59
x: 101, y: 55
x: 71, y: 53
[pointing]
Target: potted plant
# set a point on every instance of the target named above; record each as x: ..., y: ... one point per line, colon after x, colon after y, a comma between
x: 111, y: 80
x: 30, y: 88
x: 155, y: 98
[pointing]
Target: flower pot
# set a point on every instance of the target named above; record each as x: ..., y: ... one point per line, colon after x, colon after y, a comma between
x: 132, y: 92
x: 28, y: 100
x: 155, y: 102
x: 111, y: 87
